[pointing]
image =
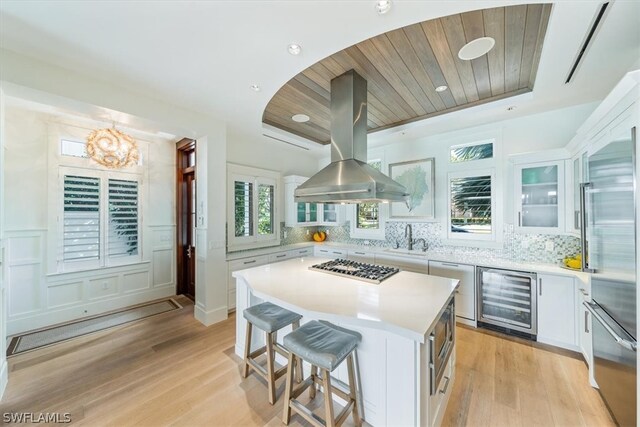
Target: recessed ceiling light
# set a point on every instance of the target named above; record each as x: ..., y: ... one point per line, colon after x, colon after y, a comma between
x: 476, y: 48
x: 383, y: 6
x: 300, y: 118
x: 294, y: 49
x: 441, y: 88
x: 513, y: 107
x: 255, y: 88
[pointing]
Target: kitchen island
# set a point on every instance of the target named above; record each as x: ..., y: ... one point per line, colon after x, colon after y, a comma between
x: 398, y: 319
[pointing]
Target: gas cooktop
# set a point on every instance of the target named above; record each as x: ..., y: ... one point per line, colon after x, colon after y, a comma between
x: 356, y: 270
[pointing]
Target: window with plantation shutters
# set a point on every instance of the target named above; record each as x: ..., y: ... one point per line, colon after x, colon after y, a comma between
x: 471, y: 206
x: 99, y: 225
x: 252, y: 217
x: 123, y: 218
x: 81, y: 218
x: 243, y: 208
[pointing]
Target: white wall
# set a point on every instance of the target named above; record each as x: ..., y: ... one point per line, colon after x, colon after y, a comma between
x: 266, y: 153
x: 32, y: 79
x: 543, y: 132
x: 4, y: 371
x: 39, y: 292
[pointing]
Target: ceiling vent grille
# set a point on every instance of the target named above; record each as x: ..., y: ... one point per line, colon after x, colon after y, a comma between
x: 595, y: 24
x: 286, y: 142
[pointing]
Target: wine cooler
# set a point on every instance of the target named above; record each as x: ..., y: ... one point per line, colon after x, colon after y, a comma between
x: 507, y: 299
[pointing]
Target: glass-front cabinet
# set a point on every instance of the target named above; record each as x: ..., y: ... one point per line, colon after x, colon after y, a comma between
x: 308, y: 214
x: 540, y: 197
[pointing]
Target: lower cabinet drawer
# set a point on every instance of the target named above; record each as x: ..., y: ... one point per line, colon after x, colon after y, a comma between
x: 437, y: 401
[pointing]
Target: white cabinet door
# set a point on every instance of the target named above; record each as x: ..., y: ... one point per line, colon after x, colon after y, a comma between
x: 584, y: 325
x: 326, y: 252
x: 278, y: 256
x: 466, y: 293
x: 240, y: 264
x: 298, y: 214
x: 557, y: 311
x: 540, y: 197
x: 407, y: 263
x: 302, y: 252
x: 361, y: 256
x: 331, y: 214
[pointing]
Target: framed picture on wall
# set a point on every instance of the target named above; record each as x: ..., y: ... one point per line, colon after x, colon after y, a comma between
x: 418, y: 177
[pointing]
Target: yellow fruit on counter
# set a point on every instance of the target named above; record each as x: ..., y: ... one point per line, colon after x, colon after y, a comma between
x: 578, y: 257
x: 574, y: 263
x: 319, y: 236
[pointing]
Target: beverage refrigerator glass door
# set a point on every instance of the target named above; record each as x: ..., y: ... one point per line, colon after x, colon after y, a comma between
x: 508, y: 299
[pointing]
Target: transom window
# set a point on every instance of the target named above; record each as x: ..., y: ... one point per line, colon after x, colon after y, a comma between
x: 470, y: 152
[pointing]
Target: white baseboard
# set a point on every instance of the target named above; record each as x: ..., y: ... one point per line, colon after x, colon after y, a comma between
x: 208, y: 318
x: 4, y: 377
x: 53, y: 317
x: 465, y: 321
x: 560, y: 344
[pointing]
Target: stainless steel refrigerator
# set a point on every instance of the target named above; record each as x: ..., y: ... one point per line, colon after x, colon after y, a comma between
x: 610, y: 199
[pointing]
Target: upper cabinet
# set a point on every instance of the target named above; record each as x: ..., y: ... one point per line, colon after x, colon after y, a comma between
x: 540, y: 197
x: 308, y: 214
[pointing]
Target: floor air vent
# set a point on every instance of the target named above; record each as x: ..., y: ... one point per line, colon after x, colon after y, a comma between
x: 587, y: 40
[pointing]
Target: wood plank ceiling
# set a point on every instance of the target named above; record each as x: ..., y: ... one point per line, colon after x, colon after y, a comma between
x: 403, y: 67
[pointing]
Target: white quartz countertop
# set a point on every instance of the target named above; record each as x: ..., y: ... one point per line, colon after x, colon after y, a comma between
x: 406, y: 304
x: 418, y: 255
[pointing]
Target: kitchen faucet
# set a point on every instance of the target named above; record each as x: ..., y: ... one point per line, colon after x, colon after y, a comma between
x: 408, y: 233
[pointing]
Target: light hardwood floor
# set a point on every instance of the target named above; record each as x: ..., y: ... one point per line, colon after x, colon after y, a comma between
x: 171, y: 370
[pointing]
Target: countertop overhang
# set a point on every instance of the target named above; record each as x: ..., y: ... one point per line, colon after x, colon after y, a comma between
x: 406, y: 304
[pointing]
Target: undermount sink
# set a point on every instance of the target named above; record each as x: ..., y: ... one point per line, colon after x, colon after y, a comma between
x: 403, y: 251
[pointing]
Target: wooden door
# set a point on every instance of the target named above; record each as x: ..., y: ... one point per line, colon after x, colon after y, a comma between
x: 186, y: 217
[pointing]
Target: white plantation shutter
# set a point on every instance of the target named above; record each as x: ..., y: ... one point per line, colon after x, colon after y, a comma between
x: 81, y: 218
x: 123, y: 218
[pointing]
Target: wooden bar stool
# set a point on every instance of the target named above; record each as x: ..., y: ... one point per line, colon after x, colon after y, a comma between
x: 324, y: 346
x: 270, y: 318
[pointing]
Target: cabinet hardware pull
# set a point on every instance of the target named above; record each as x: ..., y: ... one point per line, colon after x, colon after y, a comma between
x: 446, y: 385
x: 586, y: 318
x: 540, y: 279
x: 359, y: 253
x: 519, y: 219
x: 324, y: 250
x: 280, y: 256
x: 576, y: 220
x: 249, y: 262
x: 449, y: 264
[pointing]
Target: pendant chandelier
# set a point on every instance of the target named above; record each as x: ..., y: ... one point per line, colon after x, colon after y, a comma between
x: 112, y: 148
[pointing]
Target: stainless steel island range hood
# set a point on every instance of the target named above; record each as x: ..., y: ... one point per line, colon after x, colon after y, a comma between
x: 348, y: 178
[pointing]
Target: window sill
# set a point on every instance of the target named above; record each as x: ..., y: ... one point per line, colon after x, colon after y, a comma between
x: 108, y: 269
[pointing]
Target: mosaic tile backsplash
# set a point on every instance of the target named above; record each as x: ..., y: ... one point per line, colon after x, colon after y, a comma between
x: 516, y: 246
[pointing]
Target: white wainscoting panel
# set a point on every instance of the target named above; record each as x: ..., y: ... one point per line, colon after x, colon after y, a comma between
x: 64, y: 294
x: 136, y: 281
x: 36, y: 300
x: 103, y: 287
x: 162, y: 267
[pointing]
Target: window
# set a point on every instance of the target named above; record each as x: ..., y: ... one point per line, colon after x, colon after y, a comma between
x: 71, y: 148
x: 100, y: 219
x: 470, y: 152
x: 368, y: 218
x: 243, y: 208
x: 252, y: 207
x: 471, y: 205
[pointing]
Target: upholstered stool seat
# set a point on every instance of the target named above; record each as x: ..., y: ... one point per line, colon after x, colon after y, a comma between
x: 270, y: 318
x: 324, y: 346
